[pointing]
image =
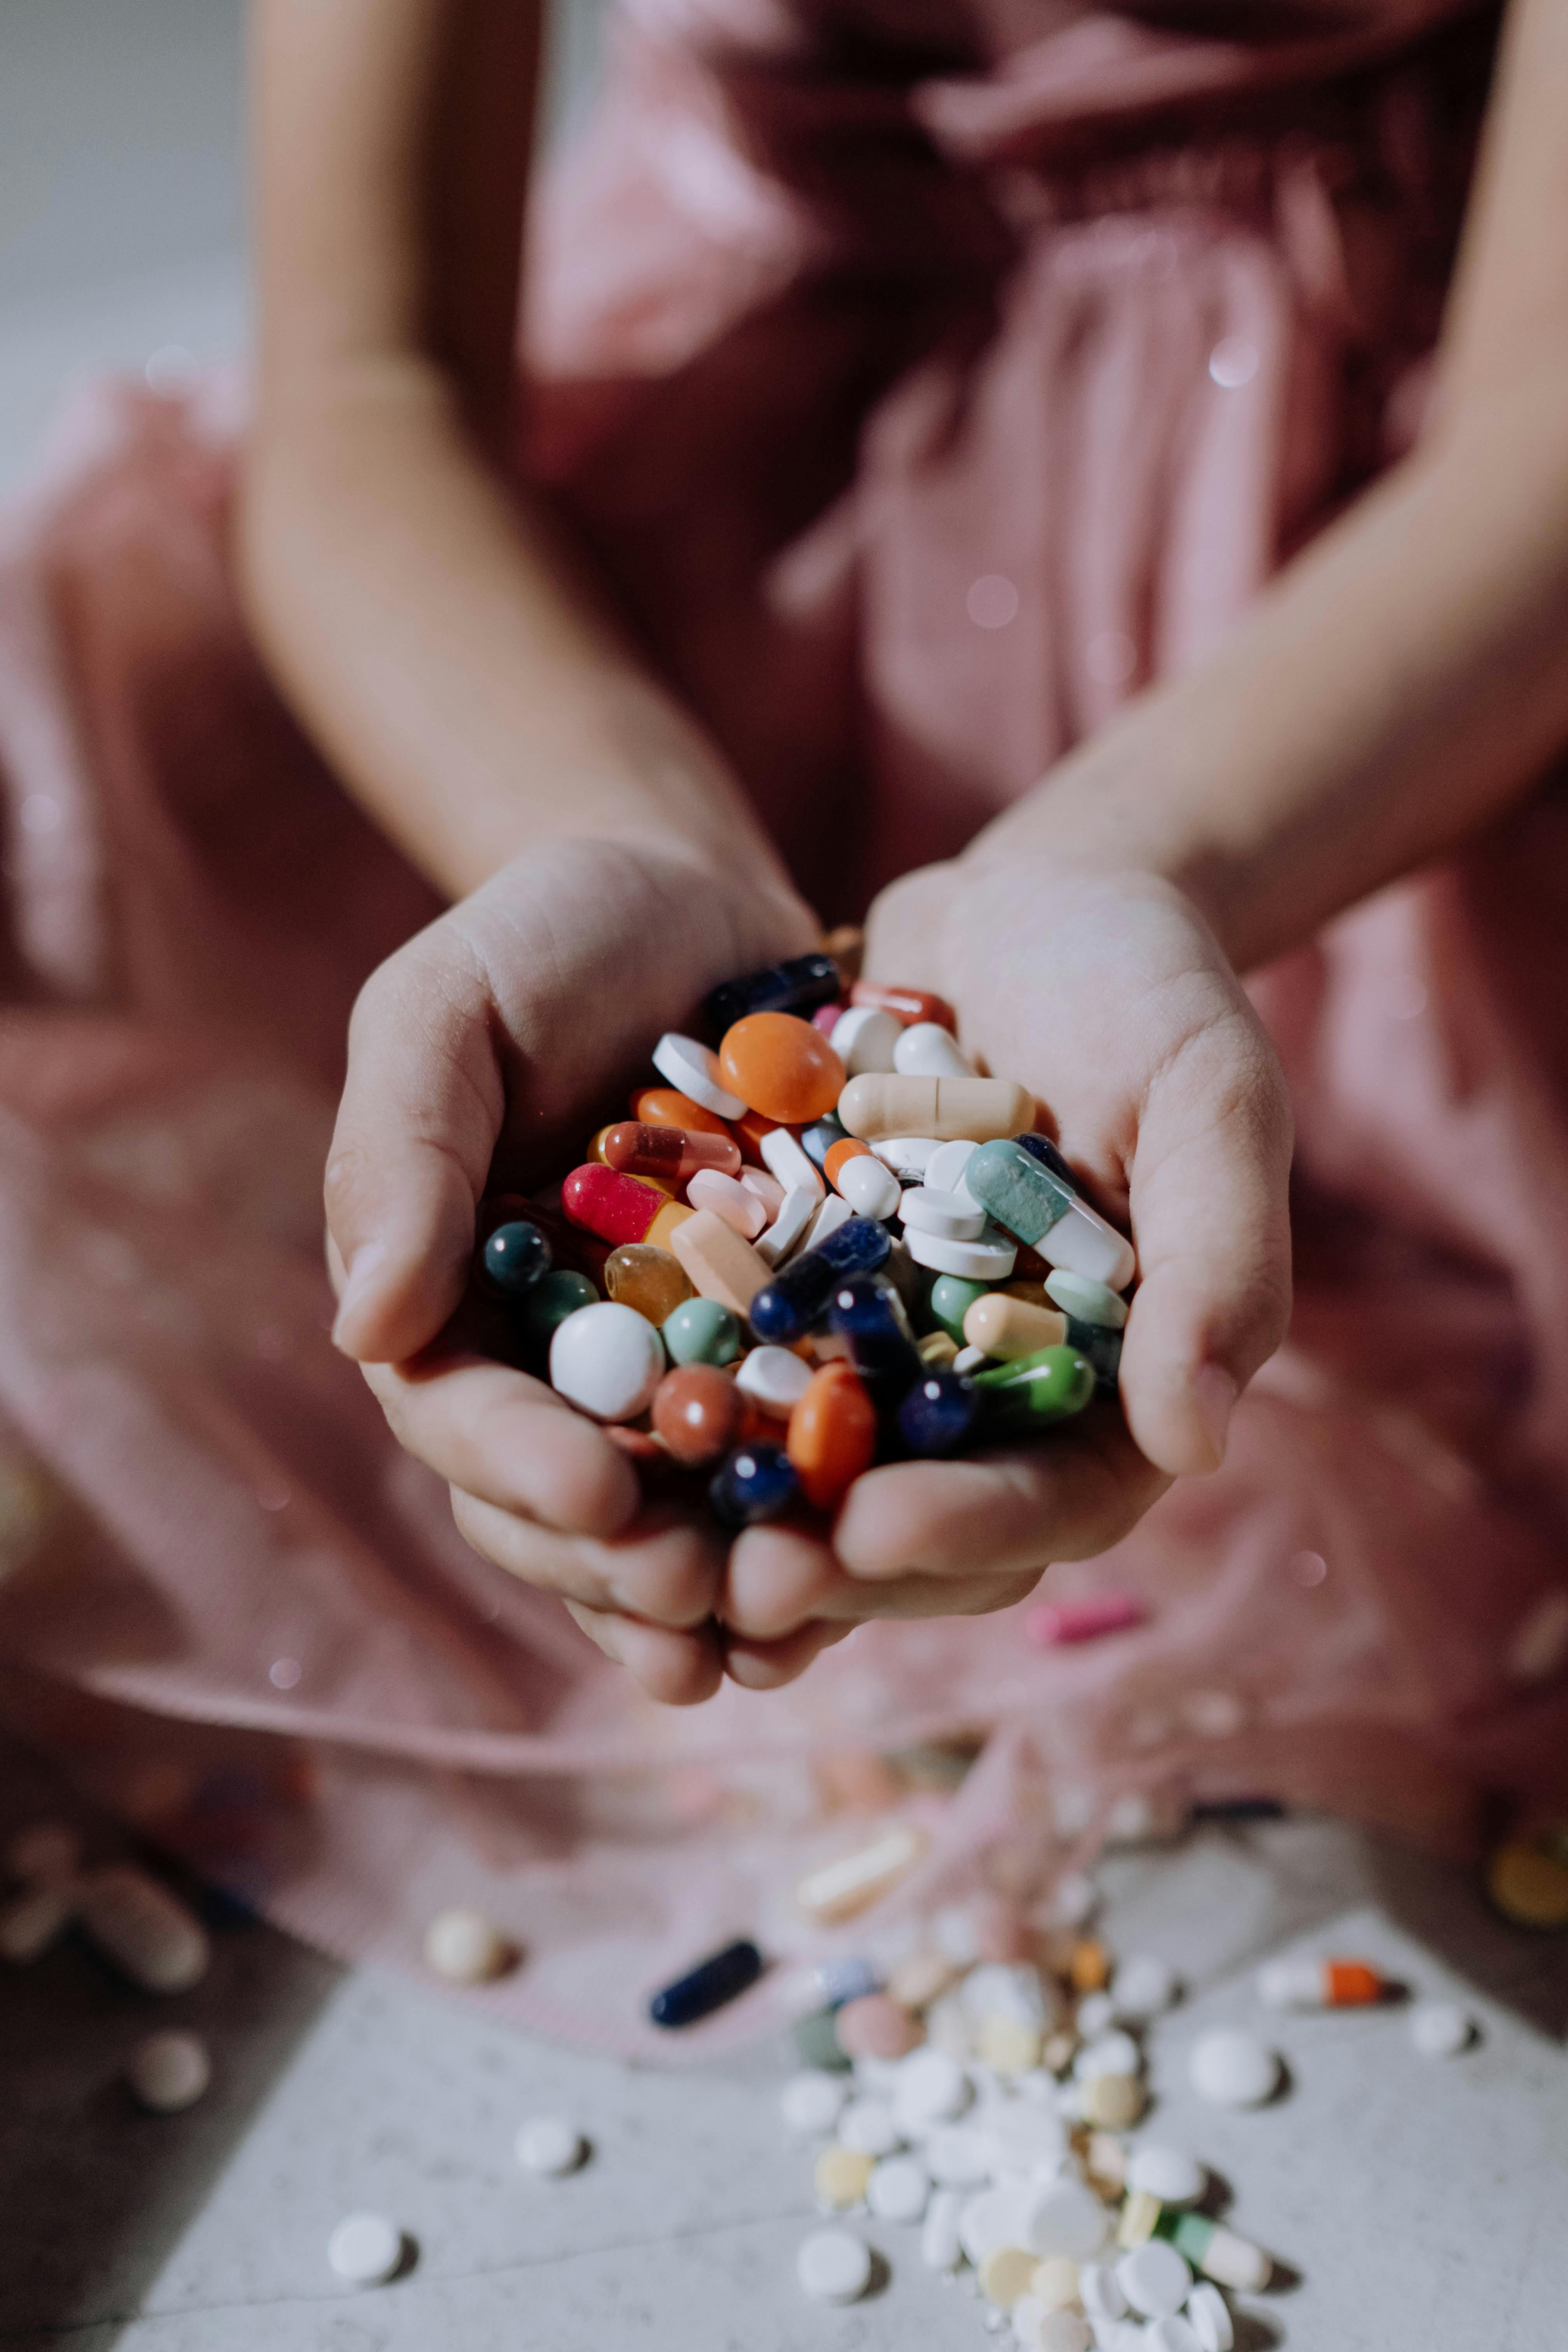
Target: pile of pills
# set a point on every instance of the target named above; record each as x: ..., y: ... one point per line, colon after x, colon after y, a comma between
x: 824, y: 1242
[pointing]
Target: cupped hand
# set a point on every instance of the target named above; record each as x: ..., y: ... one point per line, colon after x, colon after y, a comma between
x: 481, y: 1057
x: 1106, y: 993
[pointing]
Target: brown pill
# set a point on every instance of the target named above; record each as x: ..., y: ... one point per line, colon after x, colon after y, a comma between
x: 640, y: 1276
x: 698, y: 1412
x: 671, y: 1153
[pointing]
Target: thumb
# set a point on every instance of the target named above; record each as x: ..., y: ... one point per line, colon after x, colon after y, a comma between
x: 421, y: 1110
x: 1211, y: 1216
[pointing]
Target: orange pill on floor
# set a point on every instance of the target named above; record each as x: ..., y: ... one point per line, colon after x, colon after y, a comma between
x: 668, y: 1107
x: 832, y: 1434
x: 851, y: 1148
x: 782, y: 1067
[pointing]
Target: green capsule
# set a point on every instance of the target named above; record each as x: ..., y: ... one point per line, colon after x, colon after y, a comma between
x: 1052, y: 1385
x: 817, y: 2039
x: 951, y: 1296
x: 549, y: 1302
x: 701, y: 1331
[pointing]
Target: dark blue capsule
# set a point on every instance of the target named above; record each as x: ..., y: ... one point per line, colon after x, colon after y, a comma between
x: 798, y: 986
x: 1103, y: 1349
x: 869, y: 1315
x: 756, y: 1482
x: 1041, y: 1148
x: 818, y: 1139
x: 939, y: 1414
x: 514, y: 1259
x: 707, y: 1985
x: 789, y: 1304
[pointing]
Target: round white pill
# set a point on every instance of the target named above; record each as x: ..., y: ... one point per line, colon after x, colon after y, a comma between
x: 812, y: 2101
x: 870, y: 1189
x: 1143, y: 1988
x: 168, y: 2072
x: 926, y: 1050
x: 1100, y: 2291
x: 775, y: 1377
x: 944, y: 1170
x: 1096, y: 2014
x: 990, y: 1259
x: 1062, y: 2331
x: 1109, y: 2053
x: 1209, y: 2315
x: 43, y: 1849
x: 1172, y: 2333
x: 834, y: 2267
x: 606, y: 1359
x: 467, y: 1947
x: 1091, y: 1302
x: 1172, y: 2174
x: 548, y: 2145
x: 932, y: 2088
x: 366, y: 2248
x: 907, y: 1155
x: 1154, y: 2278
x: 996, y: 2217
x: 959, y: 2155
x: 1441, y: 2029
x: 1066, y: 2217
x: 867, y: 2125
x: 926, y: 1212
x: 692, y: 1068
x: 898, y: 2189
x: 864, y: 1038
x: 1232, y: 2069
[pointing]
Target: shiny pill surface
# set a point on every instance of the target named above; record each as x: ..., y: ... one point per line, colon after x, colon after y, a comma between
x: 650, y: 1279
x: 692, y: 1068
x: 607, y: 1361
x: 728, y: 1199
x: 832, y: 1434
x: 618, y: 1208
x: 943, y: 1107
x: 673, y: 1153
x: 698, y: 1411
x: 781, y: 1066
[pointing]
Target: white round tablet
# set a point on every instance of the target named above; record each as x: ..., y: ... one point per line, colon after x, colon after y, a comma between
x: 1172, y: 2333
x: 813, y: 2100
x: 1154, y: 2278
x: 1109, y: 2053
x: 959, y: 2155
x: 1232, y: 2069
x: 939, y: 2247
x: 467, y: 1947
x: 1172, y: 2174
x: 864, y: 1038
x: 834, y: 2267
x: 1100, y: 2292
x: 898, y: 2189
x: 1060, y: 2331
x: 907, y: 1155
x: 926, y: 1050
x: 606, y: 1359
x: 1143, y: 1988
x: 692, y: 1068
x: 926, y: 1212
x: 871, y: 1189
x: 866, y: 2127
x: 1066, y: 2217
x: 944, y: 1170
x: 366, y: 2248
x: 169, y: 2071
x: 996, y: 2217
x: 1208, y: 2315
x: 548, y: 2145
x: 776, y: 1378
x: 1441, y: 2029
x: 1096, y: 2014
x: 932, y: 2088
x: 990, y: 1259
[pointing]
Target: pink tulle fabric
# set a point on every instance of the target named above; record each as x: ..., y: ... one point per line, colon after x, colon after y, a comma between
x: 928, y: 377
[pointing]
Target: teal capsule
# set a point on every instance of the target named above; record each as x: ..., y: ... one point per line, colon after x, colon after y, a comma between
x: 951, y: 1296
x: 551, y: 1300
x: 1051, y: 1385
x: 701, y: 1331
x: 1087, y: 1301
x: 1016, y: 1190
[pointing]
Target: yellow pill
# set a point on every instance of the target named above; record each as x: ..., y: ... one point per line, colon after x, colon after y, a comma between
x: 1113, y: 2102
x: 1007, y: 1327
x: 669, y: 1221
x: 1528, y: 1885
x: 1089, y: 1967
x: 1055, y: 2281
x: 937, y: 1350
x: 1010, y: 2046
x: 1138, y: 2217
x: 839, y: 2176
x: 1004, y: 2275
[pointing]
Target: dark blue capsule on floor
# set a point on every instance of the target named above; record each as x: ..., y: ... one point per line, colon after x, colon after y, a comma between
x: 708, y: 1985
x: 1103, y: 1349
x: 818, y: 1139
x: 798, y: 986
x: 514, y: 1259
x: 756, y: 1482
x: 938, y: 1415
x: 787, y: 1307
x: 1041, y: 1148
x: 869, y: 1314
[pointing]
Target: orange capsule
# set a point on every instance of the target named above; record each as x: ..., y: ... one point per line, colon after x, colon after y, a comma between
x: 851, y: 1148
x: 671, y: 1153
x: 832, y: 1434
x: 906, y: 1004
x: 668, y: 1107
x: 1320, y: 1984
x: 618, y: 1208
x: 780, y: 1066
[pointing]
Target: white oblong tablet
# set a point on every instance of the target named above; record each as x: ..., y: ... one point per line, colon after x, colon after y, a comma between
x: 1083, y: 1243
x: 1172, y: 2174
x: 551, y: 2147
x: 898, y: 2189
x: 366, y: 2249
x: 1154, y: 2278
x: 833, y: 2266
x: 864, y: 1038
x: 1441, y: 2029
x: 692, y: 1068
x: 926, y: 1050
x: 870, y: 1189
x: 795, y: 1212
x: 145, y: 1929
x: 907, y: 1155
x: 813, y: 2100
x: 168, y: 2072
x: 1090, y: 1302
x: 940, y: 2246
x: 1100, y: 2292
x: 607, y: 1361
x: 942, y: 1212
x: 1209, y: 2316
x: 776, y: 1378
x: 730, y: 1199
x: 1232, y: 2069
x: 981, y: 1261
x: 1066, y: 2217
x: 829, y: 1216
x: 787, y: 1158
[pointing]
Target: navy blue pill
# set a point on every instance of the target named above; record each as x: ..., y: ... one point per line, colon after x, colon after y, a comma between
x: 818, y: 1139
x: 757, y: 1482
x: 787, y: 1307
x: 798, y: 986
x: 939, y: 1414
x: 1041, y: 1148
x: 707, y: 1985
x: 514, y: 1259
x: 869, y: 1314
x: 1103, y: 1349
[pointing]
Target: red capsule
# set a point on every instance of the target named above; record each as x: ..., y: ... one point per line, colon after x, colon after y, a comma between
x: 671, y: 1153
x: 906, y: 1004
x: 618, y: 1208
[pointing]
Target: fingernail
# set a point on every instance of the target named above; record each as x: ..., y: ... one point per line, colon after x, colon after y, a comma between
x: 1215, y: 1394
x: 363, y: 1266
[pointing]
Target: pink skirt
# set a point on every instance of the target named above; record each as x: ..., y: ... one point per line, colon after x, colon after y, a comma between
x: 919, y: 415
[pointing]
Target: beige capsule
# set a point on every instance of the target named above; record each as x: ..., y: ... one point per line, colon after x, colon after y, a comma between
x: 974, y: 1109
x: 717, y: 1262
x: 1113, y: 2102
x: 1007, y: 1327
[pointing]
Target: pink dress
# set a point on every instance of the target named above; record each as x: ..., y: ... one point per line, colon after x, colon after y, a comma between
x: 929, y: 375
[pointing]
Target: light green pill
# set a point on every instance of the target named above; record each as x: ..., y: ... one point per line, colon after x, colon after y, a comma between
x: 1051, y: 1386
x: 817, y: 2039
x: 951, y: 1296
x: 1019, y: 1192
x: 1087, y: 1301
x: 701, y: 1331
x: 552, y: 1298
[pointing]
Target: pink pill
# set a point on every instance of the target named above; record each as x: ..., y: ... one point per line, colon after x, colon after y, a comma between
x: 825, y: 1018
x: 1053, y: 1623
x: 875, y: 2026
x: 767, y: 1188
x: 728, y: 1199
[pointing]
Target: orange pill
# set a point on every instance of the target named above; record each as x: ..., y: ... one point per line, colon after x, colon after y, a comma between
x: 832, y: 1434
x: 668, y: 1107
x: 748, y: 1131
x: 837, y: 1154
x: 780, y: 1066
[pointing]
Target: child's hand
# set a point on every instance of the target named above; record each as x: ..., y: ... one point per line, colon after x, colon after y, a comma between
x: 1110, y: 997
x: 493, y: 1037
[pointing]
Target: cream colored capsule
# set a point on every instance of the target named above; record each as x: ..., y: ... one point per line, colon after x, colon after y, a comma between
x: 980, y: 1109
x: 1007, y: 1327
x: 145, y: 1929
x: 718, y: 1263
x: 841, y: 1888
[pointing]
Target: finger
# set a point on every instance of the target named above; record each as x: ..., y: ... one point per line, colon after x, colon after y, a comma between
x: 768, y: 1666
x: 421, y: 1110
x: 663, y: 1568
x: 509, y: 1441
x: 1069, y: 1496
x: 777, y: 1579
x: 1210, y: 1211
x: 676, y: 1669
